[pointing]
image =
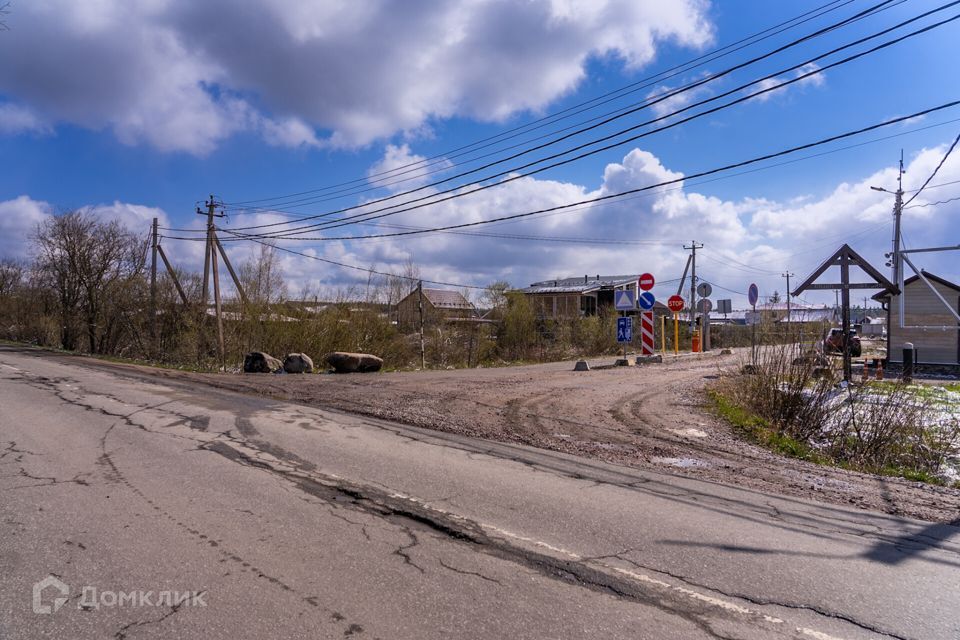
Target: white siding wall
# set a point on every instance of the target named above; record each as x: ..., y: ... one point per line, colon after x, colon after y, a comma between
x: 934, y: 346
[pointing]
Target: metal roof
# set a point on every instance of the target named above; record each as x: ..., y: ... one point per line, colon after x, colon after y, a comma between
x: 445, y: 299
x: 586, y: 284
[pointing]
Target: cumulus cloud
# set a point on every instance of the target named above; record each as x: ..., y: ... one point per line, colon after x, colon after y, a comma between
x: 183, y: 76
x: 399, y: 169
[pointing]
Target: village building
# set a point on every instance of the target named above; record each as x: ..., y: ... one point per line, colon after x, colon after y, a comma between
x: 580, y: 297
x: 438, y: 305
x: 927, y: 323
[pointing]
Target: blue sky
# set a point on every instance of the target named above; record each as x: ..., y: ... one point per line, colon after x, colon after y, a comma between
x: 142, y: 108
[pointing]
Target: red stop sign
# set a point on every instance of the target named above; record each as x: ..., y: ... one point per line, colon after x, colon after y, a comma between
x: 675, y: 304
x: 646, y: 282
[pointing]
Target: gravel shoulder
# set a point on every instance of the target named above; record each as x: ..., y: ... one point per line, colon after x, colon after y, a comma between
x: 650, y: 417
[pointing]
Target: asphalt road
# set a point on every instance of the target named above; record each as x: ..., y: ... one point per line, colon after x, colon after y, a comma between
x: 171, y: 511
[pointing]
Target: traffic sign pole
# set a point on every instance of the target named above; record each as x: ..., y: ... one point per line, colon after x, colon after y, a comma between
x: 676, y: 334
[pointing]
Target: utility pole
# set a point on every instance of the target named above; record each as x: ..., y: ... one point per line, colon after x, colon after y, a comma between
x: 693, y: 281
x: 154, y: 346
x: 788, y: 275
x: 210, y: 260
x: 423, y: 358
x: 211, y: 204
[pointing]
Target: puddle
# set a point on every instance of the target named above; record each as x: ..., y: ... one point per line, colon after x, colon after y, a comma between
x: 690, y: 432
x: 684, y: 463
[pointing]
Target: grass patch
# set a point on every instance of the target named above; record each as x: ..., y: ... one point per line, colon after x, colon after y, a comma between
x: 760, y: 431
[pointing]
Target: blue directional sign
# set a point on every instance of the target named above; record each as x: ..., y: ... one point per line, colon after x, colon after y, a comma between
x: 623, y: 300
x: 646, y: 300
x: 624, y: 329
x: 753, y: 294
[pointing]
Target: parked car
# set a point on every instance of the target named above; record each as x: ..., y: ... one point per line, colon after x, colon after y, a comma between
x: 833, y: 343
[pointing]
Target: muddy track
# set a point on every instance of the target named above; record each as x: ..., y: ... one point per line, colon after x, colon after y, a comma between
x: 652, y: 417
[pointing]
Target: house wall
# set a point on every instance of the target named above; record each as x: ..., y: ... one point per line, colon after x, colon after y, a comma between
x: 557, y: 306
x: 933, y: 346
x: 408, y: 311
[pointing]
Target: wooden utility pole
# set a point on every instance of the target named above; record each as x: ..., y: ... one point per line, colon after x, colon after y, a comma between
x: 423, y: 357
x: 233, y: 274
x: 216, y: 302
x: 173, y: 274
x: 211, y: 204
x: 154, y: 346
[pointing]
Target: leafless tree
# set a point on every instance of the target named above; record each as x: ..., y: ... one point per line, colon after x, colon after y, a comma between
x: 96, y: 269
x: 262, y: 277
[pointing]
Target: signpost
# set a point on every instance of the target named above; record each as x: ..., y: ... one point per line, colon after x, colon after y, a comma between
x: 646, y: 282
x: 705, y: 306
x: 646, y: 333
x: 623, y: 300
x: 646, y: 301
x: 624, y: 330
x: 753, y: 295
x: 676, y: 304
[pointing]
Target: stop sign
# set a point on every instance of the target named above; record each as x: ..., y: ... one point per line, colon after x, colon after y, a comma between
x: 675, y: 304
x: 646, y: 282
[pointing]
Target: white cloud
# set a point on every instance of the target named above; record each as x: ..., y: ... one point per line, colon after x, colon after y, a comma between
x: 16, y: 119
x: 815, y: 80
x: 183, y: 76
x: 400, y: 169
x: 18, y: 221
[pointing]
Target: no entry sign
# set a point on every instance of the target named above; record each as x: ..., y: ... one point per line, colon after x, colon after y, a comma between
x: 675, y: 304
x: 646, y: 282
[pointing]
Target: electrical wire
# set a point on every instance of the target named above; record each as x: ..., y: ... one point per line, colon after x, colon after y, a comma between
x: 613, y: 196
x: 585, y: 106
x: 512, y: 172
x: 391, y: 210
x: 927, y: 181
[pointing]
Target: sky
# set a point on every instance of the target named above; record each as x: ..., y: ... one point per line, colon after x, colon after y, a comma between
x: 284, y: 109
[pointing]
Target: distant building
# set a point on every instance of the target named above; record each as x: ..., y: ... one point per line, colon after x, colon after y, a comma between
x: 438, y: 305
x: 580, y: 297
x: 777, y: 312
x: 931, y: 328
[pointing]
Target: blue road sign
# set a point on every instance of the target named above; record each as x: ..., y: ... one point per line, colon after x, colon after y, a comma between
x: 624, y: 329
x: 646, y: 300
x: 753, y: 294
x: 623, y: 300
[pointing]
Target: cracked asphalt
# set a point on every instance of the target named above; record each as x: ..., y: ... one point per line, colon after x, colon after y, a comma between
x: 298, y: 522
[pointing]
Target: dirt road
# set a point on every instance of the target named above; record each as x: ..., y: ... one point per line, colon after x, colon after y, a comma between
x: 653, y: 416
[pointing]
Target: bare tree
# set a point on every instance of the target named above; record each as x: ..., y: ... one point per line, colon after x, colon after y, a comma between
x: 262, y: 277
x: 94, y: 267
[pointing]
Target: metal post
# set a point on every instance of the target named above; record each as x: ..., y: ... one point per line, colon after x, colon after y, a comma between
x: 753, y: 336
x: 908, y: 362
x: 676, y: 334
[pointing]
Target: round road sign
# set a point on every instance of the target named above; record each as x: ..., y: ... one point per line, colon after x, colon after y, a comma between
x: 705, y: 305
x: 676, y: 304
x: 646, y: 282
x: 646, y: 300
x: 704, y: 289
x: 753, y: 294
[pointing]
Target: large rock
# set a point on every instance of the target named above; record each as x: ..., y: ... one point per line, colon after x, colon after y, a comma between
x: 260, y: 362
x: 298, y: 363
x: 343, y: 362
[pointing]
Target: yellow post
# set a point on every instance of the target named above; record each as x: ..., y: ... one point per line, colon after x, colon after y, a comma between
x: 676, y: 334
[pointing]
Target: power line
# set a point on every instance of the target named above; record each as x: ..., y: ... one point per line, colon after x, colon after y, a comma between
x: 927, y: 181
x: 583, y: 106
x: 662, y: 97
x: 930, y: 204
x: 369, y: 215
x: 612, y: 196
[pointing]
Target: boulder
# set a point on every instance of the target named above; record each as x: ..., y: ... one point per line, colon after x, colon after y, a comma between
x: 260, y: 362
x: 298, y: 363
x: 343, y: 362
